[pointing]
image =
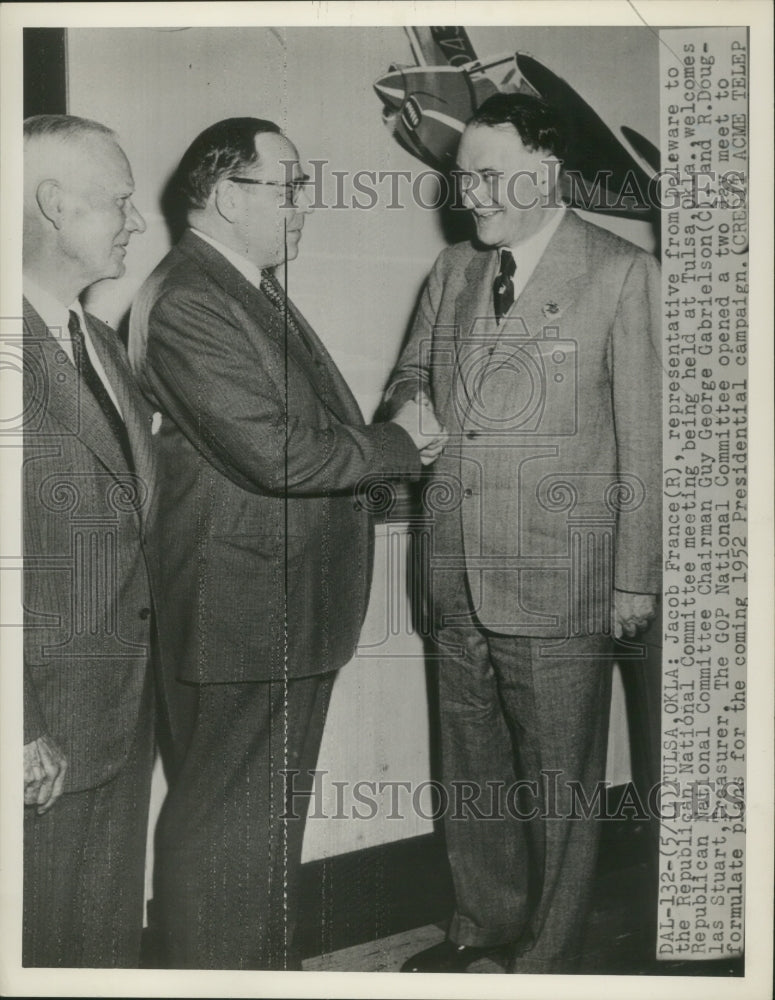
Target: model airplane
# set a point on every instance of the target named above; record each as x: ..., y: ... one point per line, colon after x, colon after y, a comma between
x: 427, y: 105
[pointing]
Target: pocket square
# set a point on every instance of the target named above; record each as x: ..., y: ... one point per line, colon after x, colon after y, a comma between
x: 155, y: 422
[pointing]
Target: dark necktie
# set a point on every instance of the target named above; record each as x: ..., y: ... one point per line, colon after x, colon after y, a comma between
x: 96, y: 387
x: 276, y: 295
x: 503, y: 288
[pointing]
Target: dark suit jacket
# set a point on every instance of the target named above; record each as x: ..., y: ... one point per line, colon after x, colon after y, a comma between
x: 87, y: 600
x: 547, y: 413
x: 265, y: 552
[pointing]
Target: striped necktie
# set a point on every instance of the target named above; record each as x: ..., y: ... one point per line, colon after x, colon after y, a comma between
x: 96, y: 387
x: 276, y: 295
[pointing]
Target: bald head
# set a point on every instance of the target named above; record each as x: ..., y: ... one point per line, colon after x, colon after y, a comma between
x: 78, y: 211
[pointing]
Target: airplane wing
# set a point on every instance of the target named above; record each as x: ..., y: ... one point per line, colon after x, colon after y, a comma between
x: 593, y: 149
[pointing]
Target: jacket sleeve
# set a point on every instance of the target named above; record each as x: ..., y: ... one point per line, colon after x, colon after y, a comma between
x: 229, y: 398
x: 411, y: 374
x: 636, y: 361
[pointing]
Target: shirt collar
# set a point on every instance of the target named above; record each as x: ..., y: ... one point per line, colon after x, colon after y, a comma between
x: 51, y: 311
x: 531, y: 249
x: 246, y: 268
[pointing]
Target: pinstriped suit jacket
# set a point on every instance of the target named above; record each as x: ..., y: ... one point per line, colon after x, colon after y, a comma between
x: 87, y: 598
x: 265, y: 552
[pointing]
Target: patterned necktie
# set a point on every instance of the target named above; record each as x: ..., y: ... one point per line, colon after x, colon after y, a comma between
x: 276, y: 296
x: 503, y: 288
x: 96, y: 387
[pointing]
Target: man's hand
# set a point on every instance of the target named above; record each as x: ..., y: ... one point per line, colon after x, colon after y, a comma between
x: 45, y: 767
x: 632, y: 612
x: 418, y: 419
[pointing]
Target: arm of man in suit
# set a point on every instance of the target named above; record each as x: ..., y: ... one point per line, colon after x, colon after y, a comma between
x: 636, y: 368
x: 229, y: 398
x: 410, y: 379
x: 45, y: 765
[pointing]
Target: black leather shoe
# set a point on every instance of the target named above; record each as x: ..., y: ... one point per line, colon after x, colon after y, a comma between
x: 448, y: 957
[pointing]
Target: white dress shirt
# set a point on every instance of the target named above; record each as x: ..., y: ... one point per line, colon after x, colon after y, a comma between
x: 246, y: 268
x: 57, y: 317
x: 528, y: 253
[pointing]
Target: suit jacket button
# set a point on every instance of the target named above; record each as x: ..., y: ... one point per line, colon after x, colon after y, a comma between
x: 467, y: 492
x: 145, y: 613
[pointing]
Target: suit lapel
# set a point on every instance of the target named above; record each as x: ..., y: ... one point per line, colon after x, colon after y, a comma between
x: 134, y: 409
x: 59, y: 390
x: 474, y: 303
x: 317, y: 365
x: 474, y: 326
x: 549, y: 292
x: 550, y: 289
x: 337, y: 395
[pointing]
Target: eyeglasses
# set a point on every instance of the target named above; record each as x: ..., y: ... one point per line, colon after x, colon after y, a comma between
x: 293, y: 188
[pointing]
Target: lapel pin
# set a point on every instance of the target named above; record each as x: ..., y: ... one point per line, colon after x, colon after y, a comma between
x: 550, y: 309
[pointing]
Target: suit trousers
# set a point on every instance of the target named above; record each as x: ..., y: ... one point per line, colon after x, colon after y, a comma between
x: 228, y: 852
x: 84, y: 867
x: 528, y: 714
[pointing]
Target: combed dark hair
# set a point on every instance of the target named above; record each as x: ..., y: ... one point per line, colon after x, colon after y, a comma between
x: 63, y: 127
x: 539, y: 125
x: 221, y: 150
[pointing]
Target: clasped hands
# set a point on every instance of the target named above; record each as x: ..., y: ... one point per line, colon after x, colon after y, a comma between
x: 418, y: 419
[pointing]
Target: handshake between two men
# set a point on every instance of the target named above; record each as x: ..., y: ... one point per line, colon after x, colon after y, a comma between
x: 418, y: 418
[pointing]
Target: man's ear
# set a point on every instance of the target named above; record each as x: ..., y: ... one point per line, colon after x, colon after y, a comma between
x: 50, y: 198
x: 225, y: 200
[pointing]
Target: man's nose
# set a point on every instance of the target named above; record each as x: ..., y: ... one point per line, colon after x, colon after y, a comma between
x: 305, y: 199
x: 135, y: 223
x: 475, y: 193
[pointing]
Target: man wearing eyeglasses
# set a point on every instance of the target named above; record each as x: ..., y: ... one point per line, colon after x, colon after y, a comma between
x: 265, y: 553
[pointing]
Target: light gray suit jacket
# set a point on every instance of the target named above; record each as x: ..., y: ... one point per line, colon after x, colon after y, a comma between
x: 87, y: 598
x: 550, y: 487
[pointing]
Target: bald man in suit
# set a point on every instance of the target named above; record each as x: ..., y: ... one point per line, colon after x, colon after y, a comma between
x: 88, y: 487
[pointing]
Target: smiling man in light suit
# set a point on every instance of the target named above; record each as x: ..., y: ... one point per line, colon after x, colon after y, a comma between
x: 538, y: 345
x: 267, y: 552
x: 88, y: 486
